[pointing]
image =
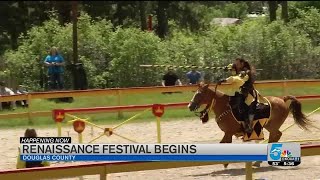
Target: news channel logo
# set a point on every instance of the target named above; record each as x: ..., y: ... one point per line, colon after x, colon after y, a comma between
x: 284, y: 154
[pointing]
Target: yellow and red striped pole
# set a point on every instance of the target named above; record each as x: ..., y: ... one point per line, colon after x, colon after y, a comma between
x: 158, y: 111
x: 188, y: 67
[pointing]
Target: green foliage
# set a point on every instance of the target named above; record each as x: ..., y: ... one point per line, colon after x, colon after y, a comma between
x: 129, y: 48
x: 309, y: 23
x: 112, y: 56
x: 236, y: 10
x: 306, y: 4
x: 24, y: 63
x: 107, y: 55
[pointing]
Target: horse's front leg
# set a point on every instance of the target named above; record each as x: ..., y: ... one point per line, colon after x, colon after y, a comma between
x: 227, y: 138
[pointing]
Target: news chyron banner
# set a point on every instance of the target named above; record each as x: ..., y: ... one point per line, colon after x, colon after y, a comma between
x: 284, y: 154
x: 61, y: 149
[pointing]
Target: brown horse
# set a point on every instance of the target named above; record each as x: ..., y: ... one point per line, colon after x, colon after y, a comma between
x: 218, y: 102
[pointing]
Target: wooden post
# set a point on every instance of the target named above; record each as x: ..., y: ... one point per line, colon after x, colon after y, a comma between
x: 29, y: 109
x: 249, y: 171
x: 58, y: 117
x: 59, y: 129
x: 120, y: 114
x: 159, y: 130
x: 80, y: 138
x: 285, y: 88
x: 158, y: 111
x: 150, y: 23
x: 104, y: 174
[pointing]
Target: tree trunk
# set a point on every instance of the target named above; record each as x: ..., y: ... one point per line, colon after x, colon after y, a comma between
x: 23, y: 11
x: 14, y: 38
x: 143, y: 17
x: 284, y: 11
x: 119, y: 15
x: 162, y: 29
x: 63, y: 9
x: 273, y: 5
x: 18, y: 25
x: 75, y: 32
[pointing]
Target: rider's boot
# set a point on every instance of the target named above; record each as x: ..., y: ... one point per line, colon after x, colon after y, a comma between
x: 239, y: 103
x: 250, y: 117
x: 245, y: 115
x: 247, y: 123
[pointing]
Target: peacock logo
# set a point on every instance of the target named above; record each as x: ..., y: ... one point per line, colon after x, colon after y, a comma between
x: 286, y: 153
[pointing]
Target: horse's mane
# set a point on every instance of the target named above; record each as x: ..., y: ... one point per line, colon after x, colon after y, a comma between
x: 219, y: 94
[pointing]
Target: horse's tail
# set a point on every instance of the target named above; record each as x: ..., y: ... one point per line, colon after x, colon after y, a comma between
x: 298, y: 116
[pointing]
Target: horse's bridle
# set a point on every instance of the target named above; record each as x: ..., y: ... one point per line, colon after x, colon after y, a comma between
x: 209, y: 107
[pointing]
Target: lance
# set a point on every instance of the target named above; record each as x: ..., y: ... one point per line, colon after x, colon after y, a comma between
x: 185, y: 67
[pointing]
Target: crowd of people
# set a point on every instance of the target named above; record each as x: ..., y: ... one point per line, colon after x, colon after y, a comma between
x: 5, y: 91
x: 172, y: 79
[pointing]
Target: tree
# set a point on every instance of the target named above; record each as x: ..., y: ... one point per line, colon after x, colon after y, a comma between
x: 102, y: 9
x: 119, y: 15
x: 74, y: 5
x: 273, y: 6
x: 162, y: 17
x: 143, y: 17
x: 284, y: 11
x: 13, y: 17
x: 64, y: 9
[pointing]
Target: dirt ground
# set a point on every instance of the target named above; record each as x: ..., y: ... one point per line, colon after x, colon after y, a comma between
x: 181, y: 131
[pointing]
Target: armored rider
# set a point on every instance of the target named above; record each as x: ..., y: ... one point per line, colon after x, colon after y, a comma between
x: 242, y: 79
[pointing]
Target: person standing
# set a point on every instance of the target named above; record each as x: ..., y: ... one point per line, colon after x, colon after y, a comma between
x: 193, y: 76
x: 170, y: 78
x: 55, y: 62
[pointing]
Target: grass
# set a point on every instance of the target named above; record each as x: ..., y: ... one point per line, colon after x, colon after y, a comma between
x: 136, y: 99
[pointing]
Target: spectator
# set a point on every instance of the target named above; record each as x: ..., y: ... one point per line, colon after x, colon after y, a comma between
x: 55, y: 62
x: 22, y: 90
x: 193, y: 76
x: 30, y: 164
x: 4, y: 91
x: 170, y: 78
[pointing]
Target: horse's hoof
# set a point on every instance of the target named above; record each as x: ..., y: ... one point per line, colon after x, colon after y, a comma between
x: 225, y: 165
x: 256, y: 164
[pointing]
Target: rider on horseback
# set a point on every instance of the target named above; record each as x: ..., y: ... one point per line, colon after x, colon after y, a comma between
x: 241, y: 68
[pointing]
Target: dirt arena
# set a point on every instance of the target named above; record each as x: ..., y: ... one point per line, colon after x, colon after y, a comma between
x: 182, y: 131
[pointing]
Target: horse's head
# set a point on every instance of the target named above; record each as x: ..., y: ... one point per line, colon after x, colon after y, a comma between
x: 202, y: 96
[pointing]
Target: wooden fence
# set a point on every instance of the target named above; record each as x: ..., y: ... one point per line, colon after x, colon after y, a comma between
x: 105, y: 168
x: 118, y: 92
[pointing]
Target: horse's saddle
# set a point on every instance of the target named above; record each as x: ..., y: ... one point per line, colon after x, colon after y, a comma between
x: 262, y: 114
x: 240, y: 112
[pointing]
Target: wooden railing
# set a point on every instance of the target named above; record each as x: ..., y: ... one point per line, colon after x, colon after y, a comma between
x: 105, y: 168
x: 118, y: 92
x: 130, y: 108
